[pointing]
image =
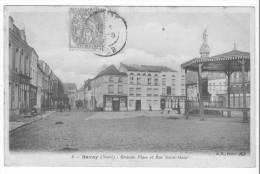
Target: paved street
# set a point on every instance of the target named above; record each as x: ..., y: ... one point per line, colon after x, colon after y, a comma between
x: 138, y: 131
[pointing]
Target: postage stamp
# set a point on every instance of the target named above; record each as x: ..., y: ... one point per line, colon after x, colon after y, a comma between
x: 98, y: 30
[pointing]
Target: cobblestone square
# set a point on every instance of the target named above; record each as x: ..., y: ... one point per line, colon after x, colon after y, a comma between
x: 138, y: 131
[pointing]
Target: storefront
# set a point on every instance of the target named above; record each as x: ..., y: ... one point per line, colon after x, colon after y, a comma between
x: 33, y: 96
x: 115, y: 103
x: 172, y: 102
x: 24, y: 93
x: 13, y: 94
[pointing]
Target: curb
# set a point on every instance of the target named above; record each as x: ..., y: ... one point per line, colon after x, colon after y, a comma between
x: 13, y: 130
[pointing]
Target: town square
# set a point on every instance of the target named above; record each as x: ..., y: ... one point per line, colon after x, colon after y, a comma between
x: 129, y: 79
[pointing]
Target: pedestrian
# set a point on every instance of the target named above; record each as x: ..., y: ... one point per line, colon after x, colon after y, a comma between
x: 150, y: 107
x: 69, y: 106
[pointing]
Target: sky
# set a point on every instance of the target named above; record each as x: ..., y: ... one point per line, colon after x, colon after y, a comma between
x: 167, y: 36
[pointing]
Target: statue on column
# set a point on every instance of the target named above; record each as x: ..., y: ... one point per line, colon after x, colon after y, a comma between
x: 205, y: 36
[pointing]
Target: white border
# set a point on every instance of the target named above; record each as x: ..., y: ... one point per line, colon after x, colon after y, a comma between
x: 254, y: 3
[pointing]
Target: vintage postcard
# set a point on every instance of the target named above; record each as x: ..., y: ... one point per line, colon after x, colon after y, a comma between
x: 131, y: 86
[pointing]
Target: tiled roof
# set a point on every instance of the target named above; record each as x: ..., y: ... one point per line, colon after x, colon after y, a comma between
x: 233, y: 53
x: 110, y: 70
x: 157, y: 68
x: 147, y: 68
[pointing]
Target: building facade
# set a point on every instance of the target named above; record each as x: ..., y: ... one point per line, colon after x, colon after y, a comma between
x: 19, y: 71
x: 109, y: 89
x: 33, y: 74
x: 153, y: 87
x: 70, y: 90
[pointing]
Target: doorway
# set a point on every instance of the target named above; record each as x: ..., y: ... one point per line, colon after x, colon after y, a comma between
x: 138, y: 105
x: 163, y: 104
x: 115, y: 105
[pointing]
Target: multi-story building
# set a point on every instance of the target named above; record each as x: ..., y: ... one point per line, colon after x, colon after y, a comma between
x: 57, y: 93
x: 236, y: 96
x: 46, y: 84
x: 40, y: 91
x: 33, y: 74
x: 110, y: 90
x: 217, y: 87
x: 89, y: 96
x: 19, y: 70
x: 70, y: 89
x: 155, y: 87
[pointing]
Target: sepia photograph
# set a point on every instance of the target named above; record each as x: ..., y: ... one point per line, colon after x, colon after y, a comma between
x: 129, y: 86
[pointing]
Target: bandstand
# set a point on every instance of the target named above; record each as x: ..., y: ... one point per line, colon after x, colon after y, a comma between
x: 228, y: 63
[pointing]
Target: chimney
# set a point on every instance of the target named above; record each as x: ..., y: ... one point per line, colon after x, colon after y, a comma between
x: 11, y: 23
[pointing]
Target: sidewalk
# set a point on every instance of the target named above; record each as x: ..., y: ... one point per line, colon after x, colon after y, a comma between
x: 22, y: 121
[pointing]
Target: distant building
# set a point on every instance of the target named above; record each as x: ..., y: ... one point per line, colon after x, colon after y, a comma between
x: 158, y: 87
x: 57, y: 91
x: 110, y: 90
x: 70, y: 89
x: 19, y: 71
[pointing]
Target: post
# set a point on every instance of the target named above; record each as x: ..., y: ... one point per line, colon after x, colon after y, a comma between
x: 201, y: 111
x: 186, y: 100
x: 245, y: 118
x: 228, y: 92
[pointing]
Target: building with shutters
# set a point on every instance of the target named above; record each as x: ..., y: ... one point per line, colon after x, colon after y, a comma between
x: 110, y: 90
x: 19, y: 71
x: 158, y: 87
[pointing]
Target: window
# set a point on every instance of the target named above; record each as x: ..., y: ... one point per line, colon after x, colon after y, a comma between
x: 155, y: 92
x: 138, y: 81
x: 182, y: 91
x: 138, y: 74
x: 173, y: 91
x: 155, y: 81
x: 213, y: 86
x: 138, y: 91
x: 155, y: 103
x: 164, y: 81
x: 131, y: 91
x: 144, y: 74
x: 168, y: 90
x: 108, y: 102
x: 122, y: 102
x: 120, y: 79
x: 182, y: 82
x: 149, y: 91
x: 163, y: 91
x: 155, y: 75
x: 131, y: 103
x: 110, y: 79
x: 173, y: 82
x: 163, y: 75
x: 131, y: 74
x: 209, y: 86
x: 149, y: 81
x: 120, y: 89
x: 131, y: 80
x: 110, y: 88
x: 149, y: 74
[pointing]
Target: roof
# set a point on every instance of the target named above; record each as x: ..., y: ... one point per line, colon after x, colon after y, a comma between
x: 110, y: 70
x: 147, y: 68
x: 220, y: 63
x: 69, y: 86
